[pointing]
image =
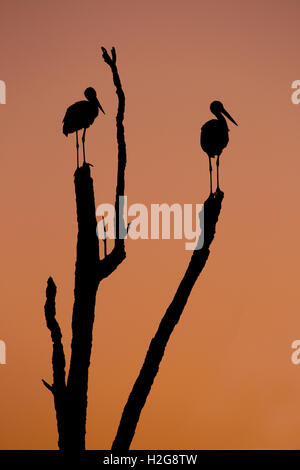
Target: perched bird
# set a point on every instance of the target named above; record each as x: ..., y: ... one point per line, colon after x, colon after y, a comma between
x: 81, y: 115
x: 214, y: 135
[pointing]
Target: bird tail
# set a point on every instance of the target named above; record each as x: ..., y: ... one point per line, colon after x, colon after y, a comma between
x: 65, y: 131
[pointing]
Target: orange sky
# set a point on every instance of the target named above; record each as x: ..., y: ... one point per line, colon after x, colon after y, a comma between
x: 226, y: 380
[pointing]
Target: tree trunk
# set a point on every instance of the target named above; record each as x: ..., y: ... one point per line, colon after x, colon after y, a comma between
x: 86, y: 285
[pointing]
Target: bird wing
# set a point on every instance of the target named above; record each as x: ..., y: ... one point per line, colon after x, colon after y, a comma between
x: 74, y: 110
x: 78, y: 116
x: 214, y: 137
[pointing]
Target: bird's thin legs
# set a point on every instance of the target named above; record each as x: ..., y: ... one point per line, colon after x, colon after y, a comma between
x: 77, y: 149
x: 83, y: 147
x: 210, y: 171
x: 218, y: 187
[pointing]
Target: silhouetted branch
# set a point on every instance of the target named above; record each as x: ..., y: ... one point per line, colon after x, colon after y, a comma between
x: 143, y: 384
x: 104, y: 239
x: 58, y: 388
x: 110, y: 263
x: 58, y: 357
x: 48, y: 386
x: 120, y: 228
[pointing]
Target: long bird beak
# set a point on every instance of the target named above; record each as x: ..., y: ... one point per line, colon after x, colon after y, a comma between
x: 99, y: 106
x: 228, y: 116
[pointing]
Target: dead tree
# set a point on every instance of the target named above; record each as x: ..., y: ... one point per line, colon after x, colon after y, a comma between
x: 149, y: 370
x: 70, y: 396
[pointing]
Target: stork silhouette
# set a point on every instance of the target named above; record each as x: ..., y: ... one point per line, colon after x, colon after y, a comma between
x: 81, y: 115
x: 214, y: 136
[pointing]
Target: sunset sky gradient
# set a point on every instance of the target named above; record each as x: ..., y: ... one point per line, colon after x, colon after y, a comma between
x: 227, y: 380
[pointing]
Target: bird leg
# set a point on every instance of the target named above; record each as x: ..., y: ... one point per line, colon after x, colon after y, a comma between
x: 83, y: 146
x: 77, y: 149
x: 218, y: 187
x: 210, y: 170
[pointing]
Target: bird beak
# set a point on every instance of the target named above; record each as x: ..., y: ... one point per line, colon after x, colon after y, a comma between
x: 228, y: 116
x: 99, y: 106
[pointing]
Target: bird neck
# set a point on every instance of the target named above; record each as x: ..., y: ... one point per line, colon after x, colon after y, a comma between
x: 221, y: 118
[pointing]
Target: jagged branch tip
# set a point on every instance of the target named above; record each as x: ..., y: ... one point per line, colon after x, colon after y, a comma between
x: 109, y: 60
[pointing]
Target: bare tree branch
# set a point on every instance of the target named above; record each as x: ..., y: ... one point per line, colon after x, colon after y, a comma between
x: 48, y: 386
x: 149, y: 370
x: 58, y: 388
x: 58, y: 357
x: 104, y: 238
x: 120, y: 187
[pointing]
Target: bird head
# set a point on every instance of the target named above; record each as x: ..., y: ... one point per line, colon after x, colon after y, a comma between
x: 91, y: 95
x: 217, y: 108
